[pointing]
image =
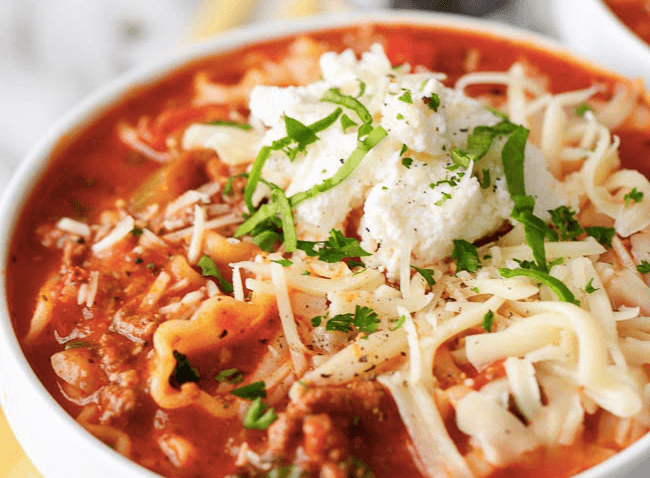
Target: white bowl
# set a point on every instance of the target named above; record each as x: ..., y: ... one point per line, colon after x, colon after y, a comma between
x: 590, y: 28
x: 58, y: 446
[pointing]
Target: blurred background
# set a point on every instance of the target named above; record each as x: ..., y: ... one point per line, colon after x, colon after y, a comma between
x: 55, y: 52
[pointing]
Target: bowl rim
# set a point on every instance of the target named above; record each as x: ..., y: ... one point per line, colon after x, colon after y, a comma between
x: 640, y: 45
x: 34, y: 164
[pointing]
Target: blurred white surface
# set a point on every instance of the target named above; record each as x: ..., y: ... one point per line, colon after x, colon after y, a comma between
x: 54, y: 52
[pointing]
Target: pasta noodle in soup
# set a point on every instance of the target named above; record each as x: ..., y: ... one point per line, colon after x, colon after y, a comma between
x: 366, y: 252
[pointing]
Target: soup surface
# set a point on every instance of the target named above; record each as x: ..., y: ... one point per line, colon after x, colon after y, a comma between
x: 635, y: 14
x: 206, y: 322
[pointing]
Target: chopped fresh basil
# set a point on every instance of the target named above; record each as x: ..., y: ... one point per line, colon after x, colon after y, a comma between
x: 403, y: 150
x: 466, y: 256
x: 316, y: 321
x: 231, y: 375
x: 434, y: 102
x: 251, y: 391
x: 335, y: 96
x: 283, y: 262
x: 479, y: 142
x: 534, y: 228
x: 512, y: 157
x: 589, y: 288
x: 445, y: 196
x: 362, y: 88
x: 563, y: 218
x: 488, y: 320
x: 406, y: 97
x: 407, y: 162
x: 183, y: 372
x: 137, y: 231
x: 210, y: 269
x: 346, y: 123
x: 288, y: 227
x: 400, y: 116
x: 582, y: 109
x: 259, y: 416
x: 603, y: 235
x: 644, y: 267
x: 634, y: 195
x: 427, y: 274
x: 227, y: 190
x: 242, y: 126
x: 557, y: 286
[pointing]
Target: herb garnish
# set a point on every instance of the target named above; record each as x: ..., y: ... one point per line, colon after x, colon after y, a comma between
x: 634, y: 195
x: 582, y: 109
x: 77, y: 344
x: 242, y: 126
x: 398, y: 323
x: 444, y: 197
x: 427, y: 274
x: 137, y: 231
x: 183, y: 371
x: 644, y: 267
x: 488, y: 320
x: 480, y: 141
x: 557, y: 286
x: 283, y: 262
x: 364, y: 318
x: 259, y: 416
x: 484, y: 181
x: 346, y: 123
x: 589, y: 288
x: 210, y: 269
x: 406, y: 97
x: 563, y: 218
x: 231, y: 375
x: 407, y: 162
x: 335, y: 249
x: 434, y: 102
x: 466, y: 256
x: 251, y: 391
x: 603, y: 235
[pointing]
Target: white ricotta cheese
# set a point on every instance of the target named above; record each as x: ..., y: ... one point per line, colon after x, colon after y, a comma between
x: 418, y: 202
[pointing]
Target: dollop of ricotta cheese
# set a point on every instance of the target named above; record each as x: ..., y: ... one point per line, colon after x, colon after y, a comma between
x: 405, y: 190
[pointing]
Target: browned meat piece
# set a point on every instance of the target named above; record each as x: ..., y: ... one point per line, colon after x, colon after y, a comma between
x: 138, y: 328
x: 323, y: 440
x: 355, y: 397
x: 115, y: 402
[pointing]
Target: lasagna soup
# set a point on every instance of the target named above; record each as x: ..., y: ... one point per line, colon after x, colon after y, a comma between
x: 387, y: 251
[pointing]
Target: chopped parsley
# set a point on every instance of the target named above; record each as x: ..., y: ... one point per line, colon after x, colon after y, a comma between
x: 209, y: 269
x: 399, y: 116
x: 231, y: 375
x: 183, y: 372
x: 563, y: 218
x: 466, y: 256
x: 445, y: 196
x: 346, y: 123
x: 251, y: 391
x: 644, y: 267
x: 407, y: 162
x: 283, y: 262
x: 634, y: 195
x: 151, y: 266
x: 406, y: 97
x: 364, y: 319
x: 300, y: 134
x: 603, y: 235
x: 433, y: 102
x: 335, y: 249
x: 589, y: 288
x: 362, y: 88
x: 488, y: 320
x: 427, y: 274
x: 582, y: 109
x: 557, y: 286
x: 398, y: 323
x: 403, y: 150
x: 242, y: 126
x: 259, y: 416
x: 137, y: 231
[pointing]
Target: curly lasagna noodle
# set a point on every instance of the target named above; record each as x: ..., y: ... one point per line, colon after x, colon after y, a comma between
x: 342, y: 265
